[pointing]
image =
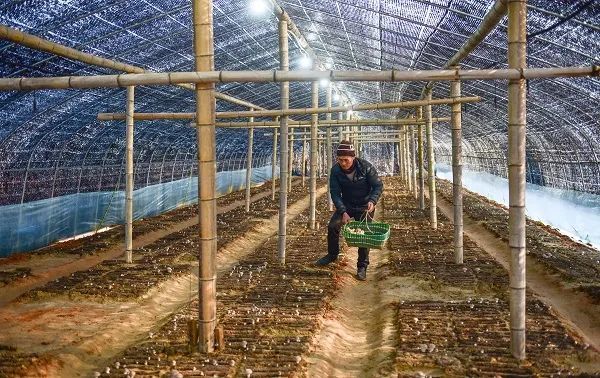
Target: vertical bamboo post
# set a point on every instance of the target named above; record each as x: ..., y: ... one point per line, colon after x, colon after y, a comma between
x: 408, y: 158
x: 341, y: 128
x: 283, y: 143
x: 129, y: 175
x: 413, y: 160
x: 291, y: 159
x: 456, y: 119
x: 249, y: 163
x: 313, y: 157
x: 304, y: 139
x: 397, y: 146
x: 431, y: 163
x: 328, y: 154
x: 274, y: 164
x: 421, y: 161
x: 205, y: 126
x: 517, y: 102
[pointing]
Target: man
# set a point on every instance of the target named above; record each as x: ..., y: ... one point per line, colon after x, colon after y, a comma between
x: 355, y: 189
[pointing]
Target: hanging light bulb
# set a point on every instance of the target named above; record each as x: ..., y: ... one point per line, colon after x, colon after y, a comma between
x: 336, y: 97
x: 324, y: 83
x: 305, y: 62
x: 258, y: 7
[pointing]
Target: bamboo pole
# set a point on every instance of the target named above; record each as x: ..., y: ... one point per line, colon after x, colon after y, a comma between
x: 413, y: 160
x: 283, y: 143
x: 340, y: 128
x: 457, y: 173
x: 129, y: 176
x: 517, y: 102
x: 304, y: 139
x: 298, y: 111
x: 328, y: 147
x: 266, y: 124
x: 431, y: 165
x: 41, y: 44
x: 291, y: 159
x: 205, y: 115
x: 273, y: 166
x: 397, y: 148
x: 313, y: 157
x: 408, y: 157
x: 174, y: 78
x: 249, y: 165
x: 421, y: 162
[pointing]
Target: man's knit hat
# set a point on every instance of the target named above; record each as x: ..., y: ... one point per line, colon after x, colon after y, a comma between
x: 345, y: 148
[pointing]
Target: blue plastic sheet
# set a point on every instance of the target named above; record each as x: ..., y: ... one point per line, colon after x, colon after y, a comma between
x: 33, y: 225
x: 575, y: 214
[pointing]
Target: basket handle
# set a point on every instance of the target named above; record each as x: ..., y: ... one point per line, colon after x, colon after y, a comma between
x: 366, y: 220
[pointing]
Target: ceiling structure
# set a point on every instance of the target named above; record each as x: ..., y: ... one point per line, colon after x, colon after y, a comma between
x: 51, y: 143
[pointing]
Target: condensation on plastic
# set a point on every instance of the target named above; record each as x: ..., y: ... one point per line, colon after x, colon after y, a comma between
x: 35, y: 224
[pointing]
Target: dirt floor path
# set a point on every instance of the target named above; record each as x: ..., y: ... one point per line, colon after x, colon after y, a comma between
x: 574, y: 308
x: 357, y: 338
x: 69, y: 329
x: 67, y: 265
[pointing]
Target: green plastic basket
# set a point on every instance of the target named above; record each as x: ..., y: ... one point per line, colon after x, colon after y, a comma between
x: 375, y: 236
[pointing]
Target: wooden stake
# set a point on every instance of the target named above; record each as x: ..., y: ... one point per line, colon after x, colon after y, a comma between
x: 129, y: 176
x: 517, y: 102
x: 205, y: 116
x: 431, y: 163
x: 413, y: 160
x: 304, y: 160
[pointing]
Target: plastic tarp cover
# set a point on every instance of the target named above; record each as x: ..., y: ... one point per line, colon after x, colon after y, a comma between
x: 36, y: 224
x: 547, y: 205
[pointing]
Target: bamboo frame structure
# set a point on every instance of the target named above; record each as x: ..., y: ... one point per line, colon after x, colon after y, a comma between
x: 328, y: 154
x: 517, y: 102
x: 283, y: 141
x: 41, y: 44
x: 421, y: 162
x: 249, y: 164
x: 457, y: 197
x: 174, y: 78
x: 431, y: 165
x: 130, y: 105
x: 205, y: 115
x: 313, y: 157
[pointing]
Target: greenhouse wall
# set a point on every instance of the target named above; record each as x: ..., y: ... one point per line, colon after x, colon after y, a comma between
x: 35, y: 224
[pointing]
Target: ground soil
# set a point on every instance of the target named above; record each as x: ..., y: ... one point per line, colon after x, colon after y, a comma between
x: 418, y: 314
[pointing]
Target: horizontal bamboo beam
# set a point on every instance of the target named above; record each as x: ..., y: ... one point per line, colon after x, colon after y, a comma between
x: 298, y: 111
x: 40, y: 44
x: 356, y: 107
x: 174, y: 78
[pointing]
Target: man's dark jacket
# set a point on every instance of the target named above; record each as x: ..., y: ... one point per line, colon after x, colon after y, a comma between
x: 366, y: 186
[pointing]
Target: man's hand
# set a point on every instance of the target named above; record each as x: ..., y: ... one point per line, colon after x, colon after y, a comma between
x: 345, y: 218
x: 370, y: 207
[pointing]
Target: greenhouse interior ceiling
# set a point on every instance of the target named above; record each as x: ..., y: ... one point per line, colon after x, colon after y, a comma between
x: 51, y: 143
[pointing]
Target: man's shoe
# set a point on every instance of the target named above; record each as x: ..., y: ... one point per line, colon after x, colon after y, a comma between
x: 326, y: 260
x: 361, y: 273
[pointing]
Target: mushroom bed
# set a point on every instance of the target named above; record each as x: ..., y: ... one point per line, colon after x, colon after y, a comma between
x: 448, y: 319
